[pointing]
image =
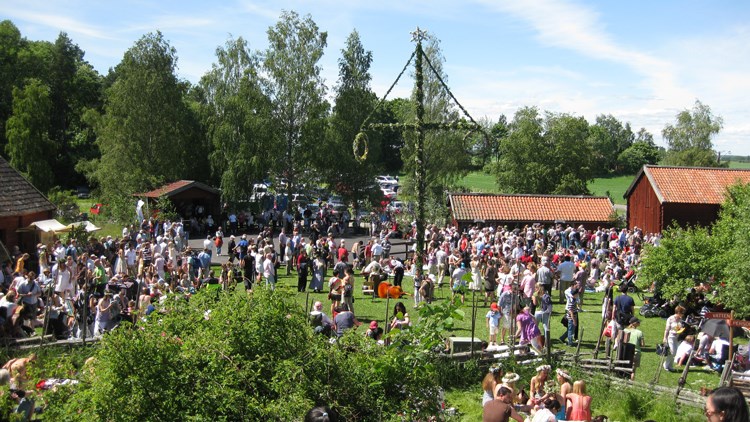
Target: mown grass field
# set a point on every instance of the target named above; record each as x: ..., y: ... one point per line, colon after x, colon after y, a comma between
x: 614, y: 187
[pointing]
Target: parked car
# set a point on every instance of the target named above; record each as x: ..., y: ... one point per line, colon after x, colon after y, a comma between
x: 386, y: 179
x: 389, y: 193
x: 82, y: 192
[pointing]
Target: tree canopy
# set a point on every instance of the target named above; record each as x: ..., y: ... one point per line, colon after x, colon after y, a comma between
x: 716, y: 255
x: 689, y: 138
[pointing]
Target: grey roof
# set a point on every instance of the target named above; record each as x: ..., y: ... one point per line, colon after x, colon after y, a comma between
x: 17, y: 195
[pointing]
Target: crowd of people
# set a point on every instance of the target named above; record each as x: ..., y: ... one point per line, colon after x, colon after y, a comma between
x: 74, y: 290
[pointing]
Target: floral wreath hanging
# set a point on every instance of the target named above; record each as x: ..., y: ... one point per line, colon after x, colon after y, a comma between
x: 359, y: 140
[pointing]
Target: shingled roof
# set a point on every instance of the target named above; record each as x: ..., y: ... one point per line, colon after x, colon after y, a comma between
x: 17, y: 195
x: 540, y: 208
x: 177, y: 187
x: 690, y: 185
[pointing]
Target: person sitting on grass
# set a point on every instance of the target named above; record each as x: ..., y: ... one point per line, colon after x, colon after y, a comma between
x: 491, y: 382
x: 683, y: 350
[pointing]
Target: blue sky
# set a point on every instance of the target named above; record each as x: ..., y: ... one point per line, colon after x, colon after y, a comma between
x: 641, y: 61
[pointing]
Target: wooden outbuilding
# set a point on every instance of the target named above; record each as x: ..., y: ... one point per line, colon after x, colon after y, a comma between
x: 469, y: 209
x: 660, y: 195
x: 189, y: 197
x: 20, y: 205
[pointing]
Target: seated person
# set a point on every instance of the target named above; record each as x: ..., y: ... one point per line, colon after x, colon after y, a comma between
x: 683, y: 350
x: 718, y: 353
x: 345, y: 320
x: 321, y: 323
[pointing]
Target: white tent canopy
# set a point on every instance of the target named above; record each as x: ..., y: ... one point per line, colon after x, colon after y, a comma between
x: 89, y: 226
x: 45, y: 226
x: 54, y: 226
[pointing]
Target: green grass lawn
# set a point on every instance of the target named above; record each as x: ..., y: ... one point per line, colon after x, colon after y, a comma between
x: 469, y: 401
x: 367, y: 309
x: 614, y: 187
x: 738, y: 165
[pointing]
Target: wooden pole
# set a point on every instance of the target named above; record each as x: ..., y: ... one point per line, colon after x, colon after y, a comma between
x: 603, y: 326
x: 731, y: 335
x: 473, y: 319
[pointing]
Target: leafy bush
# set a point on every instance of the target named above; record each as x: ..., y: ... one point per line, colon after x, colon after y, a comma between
x: 255, y: 359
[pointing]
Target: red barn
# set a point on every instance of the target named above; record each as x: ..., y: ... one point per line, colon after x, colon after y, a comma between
x: 660, y: 195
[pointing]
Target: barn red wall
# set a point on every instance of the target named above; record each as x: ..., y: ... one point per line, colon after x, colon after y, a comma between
x: 26, y: 241
x: 644, y: 209
x: 690, y: 214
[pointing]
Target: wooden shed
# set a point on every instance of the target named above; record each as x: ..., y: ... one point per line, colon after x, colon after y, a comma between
x: 513, y: 211
x: 20, y: 205
x: 190, y: 198
x: 660, y: 195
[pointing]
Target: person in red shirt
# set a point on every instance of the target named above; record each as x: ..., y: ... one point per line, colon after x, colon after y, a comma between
x: 342, y: 253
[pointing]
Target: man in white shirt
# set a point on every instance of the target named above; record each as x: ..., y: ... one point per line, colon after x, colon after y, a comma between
x: 566, y: 272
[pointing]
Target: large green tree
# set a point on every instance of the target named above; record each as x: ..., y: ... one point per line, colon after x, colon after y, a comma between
x: 11, y: 44
x: 353, y: 103
x: 609, y: 138
x: 238, y: 120
x: 26, y: 131
x: 545, y: 155
x: 643, y: 151
x: 148, y: 135
x: 689, y: 138
x: 295, y: 87
x: 732, y: 233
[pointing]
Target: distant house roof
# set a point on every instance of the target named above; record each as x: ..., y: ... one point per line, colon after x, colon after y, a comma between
x: 690, y: 185
x: 17, y: 195
x: 541, y: 208
x: 177, y: 187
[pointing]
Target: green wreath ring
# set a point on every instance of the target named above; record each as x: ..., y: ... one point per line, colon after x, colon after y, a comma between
x: 360, y: 139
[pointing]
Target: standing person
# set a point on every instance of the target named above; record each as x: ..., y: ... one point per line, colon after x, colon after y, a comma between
x: 623, y: 309
x: 634, y: 336
x: 527, y: 331
x: 458, y: 284
x: 566, y: 272
x: 490, y: 280
x: 303, y: 268
x: 103, y: 314
x: 726, y: 404
x: 571, y: 311
x: 269, y: 273
x: 417, y: 285
x: 672, y: 331
x: 508, y: 302
x: 231, y: 248
x: 579, y: 404
x: 543, y: 303
x: 493, y: 323
x: 319, y: 265
x: 348, y: 288
x: 219, y: 241
x: 544, y: 275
